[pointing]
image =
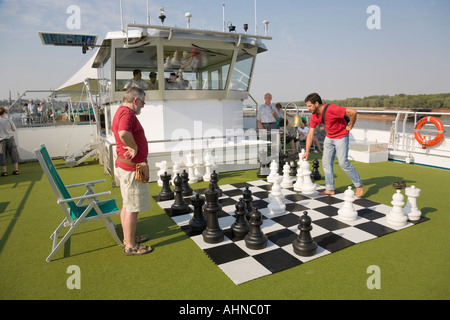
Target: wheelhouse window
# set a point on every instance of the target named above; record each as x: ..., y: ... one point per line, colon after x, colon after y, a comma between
x: 196, y: 68
x: 143, y: 59
x: 240, y: 79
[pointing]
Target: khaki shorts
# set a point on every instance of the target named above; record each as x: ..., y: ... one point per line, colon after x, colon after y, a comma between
x: 135, y: 194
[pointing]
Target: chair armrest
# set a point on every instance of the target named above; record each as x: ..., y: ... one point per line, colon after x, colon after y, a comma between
x: 85, y: 183
x: 86, y: 196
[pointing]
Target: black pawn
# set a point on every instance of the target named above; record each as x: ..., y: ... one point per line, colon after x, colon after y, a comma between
x: 179, y: 206
x: 281, y: 162
x: 247, y: 194
x: 304, y: 245
x: 213, y: 233
x: 293, y: 165
x: 166, y: 193
x: 214, y: 181
x: 198, y: 222
x: 315, y: 174
x: 255, y: 239
x: 241, y: 226
x: 187, y: 190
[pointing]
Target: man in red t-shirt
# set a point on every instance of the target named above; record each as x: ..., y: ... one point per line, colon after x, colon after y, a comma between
x: 132, y: 148
x: 335, y: 143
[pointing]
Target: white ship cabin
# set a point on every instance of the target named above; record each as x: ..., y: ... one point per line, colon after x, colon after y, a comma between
x: 202, y: 77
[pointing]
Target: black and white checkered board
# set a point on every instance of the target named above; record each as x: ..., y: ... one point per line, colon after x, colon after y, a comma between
x: 241, y: 264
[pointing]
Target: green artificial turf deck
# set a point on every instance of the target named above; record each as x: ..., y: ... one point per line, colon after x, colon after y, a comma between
x: 414, y: 262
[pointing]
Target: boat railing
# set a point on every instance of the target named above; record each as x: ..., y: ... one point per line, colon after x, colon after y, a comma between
x: 248, y: 147
x: 399, y: 135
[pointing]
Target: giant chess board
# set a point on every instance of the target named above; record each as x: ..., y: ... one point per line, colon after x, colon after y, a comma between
x: 242, y: 264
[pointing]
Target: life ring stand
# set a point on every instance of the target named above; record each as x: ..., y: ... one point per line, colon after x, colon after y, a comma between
x: 440, y: 131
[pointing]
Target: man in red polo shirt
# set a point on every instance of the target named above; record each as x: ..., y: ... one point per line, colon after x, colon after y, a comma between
x: 132, y: 148
x: 336, y: 142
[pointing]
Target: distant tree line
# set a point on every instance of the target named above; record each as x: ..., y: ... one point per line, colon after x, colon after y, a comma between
x: 398, y: 101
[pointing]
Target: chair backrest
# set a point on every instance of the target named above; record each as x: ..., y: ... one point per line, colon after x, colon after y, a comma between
x: 53, y: 177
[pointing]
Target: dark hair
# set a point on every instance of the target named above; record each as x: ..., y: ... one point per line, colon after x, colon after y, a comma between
x: 313, y: 98
x: 136, y: 71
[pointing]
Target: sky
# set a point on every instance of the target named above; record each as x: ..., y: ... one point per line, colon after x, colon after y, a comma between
x: 338, y: 48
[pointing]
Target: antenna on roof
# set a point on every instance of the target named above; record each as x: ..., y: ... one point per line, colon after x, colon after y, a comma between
x: 162, y: 16
x: 148, y: 12
x: 121, y: 17
x: 188, y: 16
x: 223, y: 16
x: 256, y: 22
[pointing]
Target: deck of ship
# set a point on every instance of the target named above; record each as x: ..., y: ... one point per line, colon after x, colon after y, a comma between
x: 414, y: 262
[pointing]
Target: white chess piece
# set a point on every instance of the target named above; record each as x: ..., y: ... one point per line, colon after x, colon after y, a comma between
x: 411, y: 209
x: 175, y: 61
x: 162, y: 168
x: 276, y: 205
x: 299, y: 182
x: 208, y: 164
x: 308, y: 186
x: 287, y: 181
x: 396, y: 217
x: 176, y: 169
x: 190, y: 166
x: 167, y: 63
x: 348, y: 211
x: 198, y: 169
x: 273, y: 171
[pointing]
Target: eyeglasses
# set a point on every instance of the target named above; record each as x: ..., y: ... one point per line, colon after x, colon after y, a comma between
x: 142, y: 101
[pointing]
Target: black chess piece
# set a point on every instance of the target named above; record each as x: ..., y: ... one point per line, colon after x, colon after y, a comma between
x: 293, y: 165
x: 198, y: 223
x: 304, y: 245
x: 187, y: 190
x: 213, y: 233
x: 214, y: 181
x: 166, y: 193
x: 315, y: 174
x: 179, y: 206
x: 241, y: 226
x: 281, y: 162
x: 247, y: 198
x: 255, y: 239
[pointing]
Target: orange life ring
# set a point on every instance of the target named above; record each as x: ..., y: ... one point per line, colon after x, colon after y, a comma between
x: 435, y: 140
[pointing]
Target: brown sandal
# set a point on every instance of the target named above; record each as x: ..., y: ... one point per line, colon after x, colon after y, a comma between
x: 137, y: 250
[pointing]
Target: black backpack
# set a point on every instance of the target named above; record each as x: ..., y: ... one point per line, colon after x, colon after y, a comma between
x: 346, y: 117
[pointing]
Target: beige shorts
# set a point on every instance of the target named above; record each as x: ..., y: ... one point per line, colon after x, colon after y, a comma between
x: 135, y: 194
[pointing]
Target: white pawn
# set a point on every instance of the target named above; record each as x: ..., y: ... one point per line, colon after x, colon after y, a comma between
x: 208, y: 164
x: 308, y: 186
x: 348, y: 211
x: 276, y: 197
x: 273, y: 171
x: 287, y: 181
x: 176, y: 169
x: 396, y: 216
x: 411, y: 209
x: 190, y: 166
x: 299, y: 182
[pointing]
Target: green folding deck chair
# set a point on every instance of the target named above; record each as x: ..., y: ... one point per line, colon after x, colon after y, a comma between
x: 75, y: 212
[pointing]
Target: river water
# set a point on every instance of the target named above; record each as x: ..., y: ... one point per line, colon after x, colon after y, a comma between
x: 379, y: 122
